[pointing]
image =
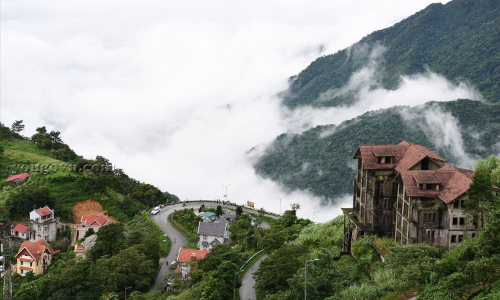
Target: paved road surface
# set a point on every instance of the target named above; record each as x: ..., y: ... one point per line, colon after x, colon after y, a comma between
x: 247, y: 290
x: 161, y: 219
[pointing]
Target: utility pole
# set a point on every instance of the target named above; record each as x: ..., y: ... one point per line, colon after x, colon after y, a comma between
x: 225, y: 196
x: 7, y: 278
x: 280, y: 202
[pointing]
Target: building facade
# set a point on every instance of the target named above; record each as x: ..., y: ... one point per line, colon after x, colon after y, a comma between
x: 88, y: 222
x: 43, y: 225
x: 406, y: 192
x: 33, y: 257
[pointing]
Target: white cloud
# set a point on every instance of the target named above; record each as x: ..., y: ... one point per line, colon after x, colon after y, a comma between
x: 443, y: 130
x: 176, y: 93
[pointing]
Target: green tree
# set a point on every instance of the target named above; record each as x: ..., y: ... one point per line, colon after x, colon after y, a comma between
x: 42, y: 139
x: 110, y: 240
x: 276, y: 269
x: 89, y: 232
x: 480, y: 202
x: 486, y: 270
x: 130, y: 268
x: 218, y: 211
x: 17, y: 127
x: 239, y: 211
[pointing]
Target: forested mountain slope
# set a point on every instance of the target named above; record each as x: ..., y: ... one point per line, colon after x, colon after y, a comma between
x: 59, y: 178
x: 459, y: 40
x: 320, y: 159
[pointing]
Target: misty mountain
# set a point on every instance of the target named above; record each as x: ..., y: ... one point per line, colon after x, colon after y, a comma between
x: 320, y: 159
x: 459, y: 40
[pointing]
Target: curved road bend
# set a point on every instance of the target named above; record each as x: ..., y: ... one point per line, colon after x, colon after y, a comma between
x: 161, y: 219
x: 247, y: 290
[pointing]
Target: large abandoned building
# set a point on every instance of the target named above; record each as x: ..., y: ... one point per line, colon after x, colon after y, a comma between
x: 409, y: 193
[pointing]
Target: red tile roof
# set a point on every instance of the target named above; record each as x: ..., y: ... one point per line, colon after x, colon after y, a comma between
x: 44, y: 211
x: 21, y: 228
x: 185, y: 254
x: 426, y: 177
x: 94, y: 221
x: 453, y: 183
x: 36, y: 249
x: 18, y: 176
x: 404, y: 156
x: 26, y: 268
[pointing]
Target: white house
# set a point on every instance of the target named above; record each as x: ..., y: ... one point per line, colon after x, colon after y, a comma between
x: 43, y: 225
x: 20, y: 231
x: 212, y: 234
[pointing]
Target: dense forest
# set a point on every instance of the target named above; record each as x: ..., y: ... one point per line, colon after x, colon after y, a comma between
x: 458, y: 40
x: 320, y: 159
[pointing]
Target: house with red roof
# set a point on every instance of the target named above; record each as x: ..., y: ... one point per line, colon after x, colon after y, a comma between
x: 18, y: 179
x: 20, y: 231
x: 33, y: 257
x: 88, y: 222
x: 44, y: 225
x: 186, y: 256
x: 407, y: 192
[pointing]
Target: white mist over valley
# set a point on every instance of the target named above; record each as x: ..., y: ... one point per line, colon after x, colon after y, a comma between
x: 177, y: 94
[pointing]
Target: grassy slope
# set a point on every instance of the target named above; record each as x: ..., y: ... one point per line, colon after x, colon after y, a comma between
x: 62, y: 183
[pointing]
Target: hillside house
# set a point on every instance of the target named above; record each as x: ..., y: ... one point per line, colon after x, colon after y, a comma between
x: 20, y: 231
x: 189, y: 255
x: 18, y: 179
x: 88, y: 222
x: 33, y: 257
x: 212, y: 234
x: 87, y: 244
x: 231, y: 218
x: 44, y: 225
x: 407, y: 192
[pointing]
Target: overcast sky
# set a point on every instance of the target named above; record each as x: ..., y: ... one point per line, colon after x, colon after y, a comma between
x: 177, y: 93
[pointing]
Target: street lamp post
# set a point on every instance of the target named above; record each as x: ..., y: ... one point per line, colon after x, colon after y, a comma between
x: 126, y: 288
x: 225, y: 196
x: 314, y: 213
x: 234, y: 288
x: 305, y: 276
x: 280, y: 202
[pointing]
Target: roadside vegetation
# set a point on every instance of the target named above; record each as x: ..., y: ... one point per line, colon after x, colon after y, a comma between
x: 472, y: 269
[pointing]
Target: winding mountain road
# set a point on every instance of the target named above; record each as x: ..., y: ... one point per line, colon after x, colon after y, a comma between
x: 161, y: 219
x: 247, y: 291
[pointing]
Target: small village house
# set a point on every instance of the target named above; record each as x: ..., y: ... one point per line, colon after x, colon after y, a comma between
x: 87, y: 244
x: 18, y: 179
x: 189, y: 255
x: 88, y: 222
x: 44, y: 225
x: 34, y: 257
x: 20, y: 231
x: 212, y: 234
